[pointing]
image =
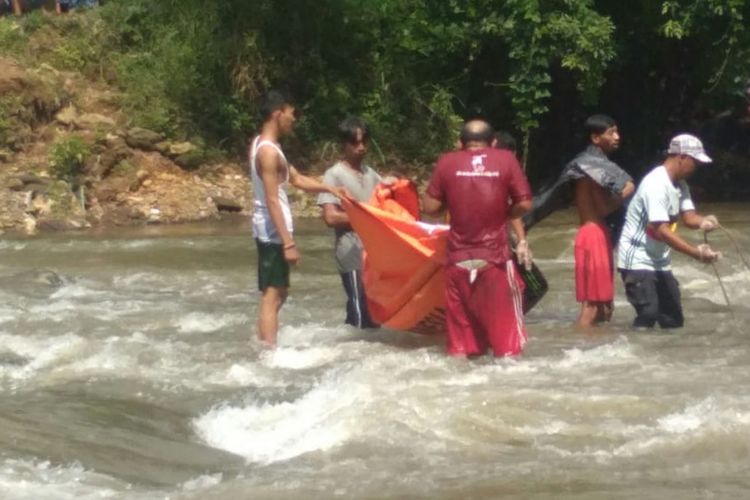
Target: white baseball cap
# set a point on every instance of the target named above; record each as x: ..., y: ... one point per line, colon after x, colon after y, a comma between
x: 686, y: 144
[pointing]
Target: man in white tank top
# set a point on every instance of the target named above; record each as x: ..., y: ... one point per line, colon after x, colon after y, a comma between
x: 272, y: 218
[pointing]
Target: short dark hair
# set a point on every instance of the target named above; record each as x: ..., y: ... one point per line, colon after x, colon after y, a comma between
x: 476, y: 131
x: 349, y: 126
x: 274, y: 100
x: 506, y: 141
x: 598, y: 124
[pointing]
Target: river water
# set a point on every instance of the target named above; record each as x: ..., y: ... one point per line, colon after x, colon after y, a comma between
x: 127, y: 371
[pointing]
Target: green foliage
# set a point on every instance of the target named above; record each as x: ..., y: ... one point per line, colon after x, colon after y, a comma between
x: 238, y: 118
x: 6, y: 127
x: 21, y: 111
x: 62, y: 202
x: 723, y: 23
x: 146, y: 102
x: 12, y: 35
x: 14, y: 120
x: 68, y: 157
x: 16, y: 31
x: 412, y: 68
x: 33, y: 21
x: 124, y: 168
x: 18, y: 114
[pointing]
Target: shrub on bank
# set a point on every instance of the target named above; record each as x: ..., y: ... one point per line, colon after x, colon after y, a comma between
x: 67, y: 159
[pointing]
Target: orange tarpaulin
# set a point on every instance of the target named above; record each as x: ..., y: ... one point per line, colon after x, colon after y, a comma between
x: 403, y: 263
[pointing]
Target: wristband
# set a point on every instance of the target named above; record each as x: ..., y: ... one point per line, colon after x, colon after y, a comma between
x: 289, y: 245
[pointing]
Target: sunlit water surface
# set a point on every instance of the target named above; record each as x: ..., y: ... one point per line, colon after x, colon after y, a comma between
x: 129, y: 371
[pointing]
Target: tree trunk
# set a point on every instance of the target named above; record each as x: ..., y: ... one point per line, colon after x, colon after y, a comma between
x: 17, y: 7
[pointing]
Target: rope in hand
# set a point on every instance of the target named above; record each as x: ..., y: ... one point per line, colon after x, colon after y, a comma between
x: 736, y: 245
x: 718, y: 277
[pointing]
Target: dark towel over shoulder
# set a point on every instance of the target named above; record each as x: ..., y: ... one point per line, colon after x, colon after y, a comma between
x: 591, y: 162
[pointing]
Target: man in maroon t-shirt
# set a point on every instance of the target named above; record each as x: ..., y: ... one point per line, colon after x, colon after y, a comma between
x: 482, y: 188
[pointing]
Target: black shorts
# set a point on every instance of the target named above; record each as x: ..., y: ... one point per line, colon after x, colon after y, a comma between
x: 273, y: 270
x: 655, y: 295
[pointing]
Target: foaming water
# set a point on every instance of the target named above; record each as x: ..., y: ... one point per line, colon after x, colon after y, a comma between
x: 128, y: 370
x: 265, y: 431
x: 34, y: 480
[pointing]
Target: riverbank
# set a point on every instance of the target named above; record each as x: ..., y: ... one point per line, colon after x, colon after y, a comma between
x: 72, y: 156
x: 90, y: 136
x: 70, y: 160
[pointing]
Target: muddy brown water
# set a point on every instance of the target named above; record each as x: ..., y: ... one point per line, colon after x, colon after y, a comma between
x: 127, y: 371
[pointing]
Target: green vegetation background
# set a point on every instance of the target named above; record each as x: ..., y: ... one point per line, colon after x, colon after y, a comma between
x: 413, y: 68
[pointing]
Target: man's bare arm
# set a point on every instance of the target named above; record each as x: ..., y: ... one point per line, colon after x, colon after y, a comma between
x: 674, y: 240
x: 335, y: 216
x: 691, y: 219
x: 431, y: 206
x: 312, y: 185
x: 523, y: 252
x: 518, y: 209
x: 517, y: 226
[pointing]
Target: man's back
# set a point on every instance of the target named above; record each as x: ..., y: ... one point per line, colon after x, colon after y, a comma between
x: 476, y: 186
x: 590, y: 201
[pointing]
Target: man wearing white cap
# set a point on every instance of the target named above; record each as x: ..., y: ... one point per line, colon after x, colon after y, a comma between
x: 644, y: 254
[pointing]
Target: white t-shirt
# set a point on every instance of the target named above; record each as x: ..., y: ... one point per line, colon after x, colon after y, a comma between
x: 656, y: 200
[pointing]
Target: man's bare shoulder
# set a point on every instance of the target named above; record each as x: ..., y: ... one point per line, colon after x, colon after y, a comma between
x: 268, y: 157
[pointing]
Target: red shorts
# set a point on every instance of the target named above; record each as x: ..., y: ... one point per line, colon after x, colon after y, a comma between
x: 485, y: 313
x: 594, y: 264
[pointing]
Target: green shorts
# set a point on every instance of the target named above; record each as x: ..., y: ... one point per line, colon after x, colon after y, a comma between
x: 273, y: 270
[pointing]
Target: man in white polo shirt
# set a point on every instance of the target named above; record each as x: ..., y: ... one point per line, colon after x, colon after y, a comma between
x: 644, y: 255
